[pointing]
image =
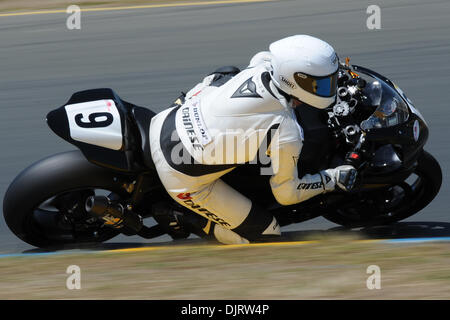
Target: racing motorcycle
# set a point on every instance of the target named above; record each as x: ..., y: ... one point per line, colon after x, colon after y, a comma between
x: 110, y: 185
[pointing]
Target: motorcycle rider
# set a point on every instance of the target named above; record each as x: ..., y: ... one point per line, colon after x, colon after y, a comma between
x: 253, y: 104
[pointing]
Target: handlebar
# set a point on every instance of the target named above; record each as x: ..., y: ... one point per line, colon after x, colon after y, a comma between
x: 354, y: 157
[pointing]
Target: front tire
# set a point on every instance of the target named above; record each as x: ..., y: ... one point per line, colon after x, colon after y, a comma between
x: 417, y: 196
x: 67, y: 178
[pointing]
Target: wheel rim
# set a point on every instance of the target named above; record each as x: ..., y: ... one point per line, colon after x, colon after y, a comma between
x: 386, y: 205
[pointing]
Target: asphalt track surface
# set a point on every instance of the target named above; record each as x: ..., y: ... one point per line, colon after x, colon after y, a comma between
x: 149, y: 55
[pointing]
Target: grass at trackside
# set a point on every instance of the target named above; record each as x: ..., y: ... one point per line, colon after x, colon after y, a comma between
x: 30, y: 5
x: 333, y: 268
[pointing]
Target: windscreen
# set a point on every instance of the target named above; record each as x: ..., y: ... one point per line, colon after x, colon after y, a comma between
x: 391, y: 109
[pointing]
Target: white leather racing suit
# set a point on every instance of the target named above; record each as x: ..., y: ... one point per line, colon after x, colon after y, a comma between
x: 219, y: 127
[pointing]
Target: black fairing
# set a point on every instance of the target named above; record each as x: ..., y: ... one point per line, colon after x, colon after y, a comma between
x: 402, y: 135
x: 395, y: 144
x: 385, y: 160
x: 142, y: 118
x: 131, y: 157
x: 397, y: 153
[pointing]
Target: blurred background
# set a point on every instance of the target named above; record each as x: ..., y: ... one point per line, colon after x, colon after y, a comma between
x: 149, y: 55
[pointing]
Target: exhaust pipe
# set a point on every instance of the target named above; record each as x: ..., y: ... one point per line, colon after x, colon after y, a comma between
x: 117, y: 217
x: 113, y: 214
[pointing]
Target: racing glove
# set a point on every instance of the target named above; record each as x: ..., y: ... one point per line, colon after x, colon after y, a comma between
x: 344, y: 177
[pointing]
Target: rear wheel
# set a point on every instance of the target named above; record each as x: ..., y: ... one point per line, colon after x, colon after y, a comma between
x: 394, y: 203
x: 44, y: 205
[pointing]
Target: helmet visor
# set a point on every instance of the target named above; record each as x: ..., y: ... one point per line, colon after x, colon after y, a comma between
x: 321, y: 86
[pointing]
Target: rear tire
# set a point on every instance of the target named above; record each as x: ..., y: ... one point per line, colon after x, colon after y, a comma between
x: 52, y: 176
x: 430, y: 173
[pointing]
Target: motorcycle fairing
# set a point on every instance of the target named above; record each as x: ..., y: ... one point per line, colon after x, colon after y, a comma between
x: 95, y: 121
x: 411, y: 135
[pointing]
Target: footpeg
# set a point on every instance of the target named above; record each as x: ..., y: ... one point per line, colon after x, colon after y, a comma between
x: 113, y: 214
x: 170, y: 219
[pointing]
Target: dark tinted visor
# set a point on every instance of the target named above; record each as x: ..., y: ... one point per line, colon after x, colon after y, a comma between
x: 321, y: 86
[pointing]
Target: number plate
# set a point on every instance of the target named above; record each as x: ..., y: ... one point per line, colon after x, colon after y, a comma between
x: 95, y: 122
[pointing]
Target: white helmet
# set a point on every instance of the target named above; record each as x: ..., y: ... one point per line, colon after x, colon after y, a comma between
x: 305, y: 68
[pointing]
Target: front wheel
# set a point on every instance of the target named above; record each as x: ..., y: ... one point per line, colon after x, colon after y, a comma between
x: 394, y: 203
x: 44, y: 205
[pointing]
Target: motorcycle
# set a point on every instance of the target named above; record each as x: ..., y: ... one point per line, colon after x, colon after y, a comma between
x: 110, y: 185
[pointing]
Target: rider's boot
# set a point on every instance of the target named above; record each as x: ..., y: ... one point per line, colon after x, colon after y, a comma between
x: 179, y: 222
